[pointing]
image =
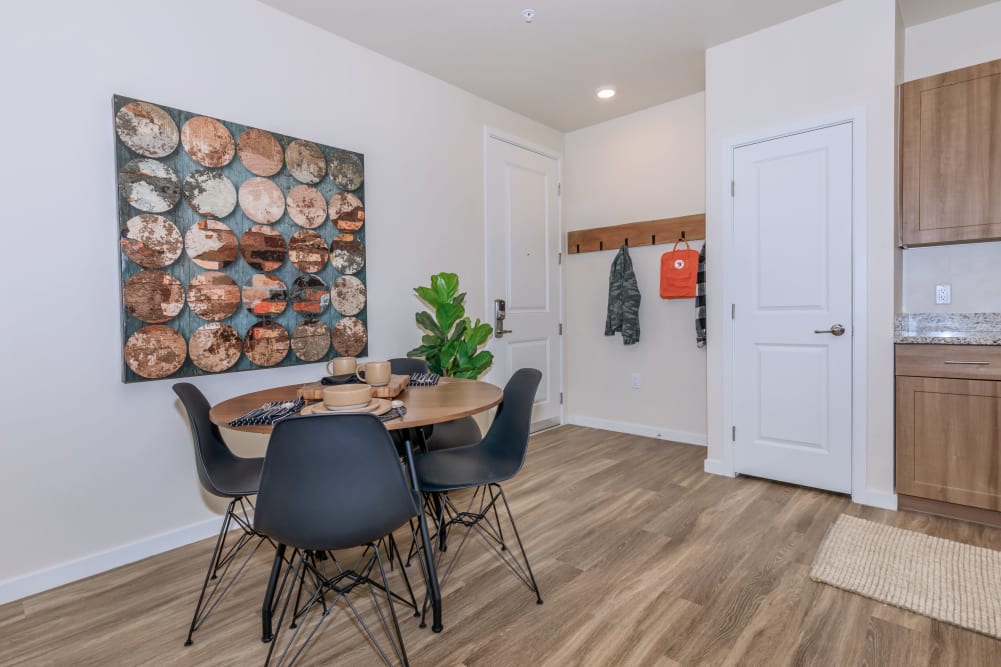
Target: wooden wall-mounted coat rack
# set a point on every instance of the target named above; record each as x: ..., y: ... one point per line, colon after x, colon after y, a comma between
x: 634, y: 234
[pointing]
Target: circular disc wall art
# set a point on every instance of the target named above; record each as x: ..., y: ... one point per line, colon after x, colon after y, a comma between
x: 349, y: 337
x: 153, y: 296
x: 146, y: 129
x: 260, y: 152
x: 155, y: 352
x: 211, y: 244
x: 347, y: 254
x: 305, y: 161
x: 346, y: 170
x: 348, y: 295
x: 215, y: 347
x: 213, y: 296
x: 208, y: 142
x: 347, y: 212
x: 149, y: 185
x: 151, y: 241
x: 310, y: 340
x: 309, y: 295
x: 265, y: 295
x: 209, y: 193
x: 261, y: 200
x: 306, y: 206
x: 308, y: 251
x: 266, y: 343
x: 263, y: 248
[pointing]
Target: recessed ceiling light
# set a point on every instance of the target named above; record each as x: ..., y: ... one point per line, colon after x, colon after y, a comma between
x: 606, y: 91
x: 528, y: 15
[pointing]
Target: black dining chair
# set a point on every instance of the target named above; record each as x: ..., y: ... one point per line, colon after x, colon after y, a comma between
x: 445, y: 435
x: 332, y: 482
x: 226, y: 475
x: 482, y: 467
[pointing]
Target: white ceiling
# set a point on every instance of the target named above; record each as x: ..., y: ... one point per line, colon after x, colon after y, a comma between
x: 652, y: 51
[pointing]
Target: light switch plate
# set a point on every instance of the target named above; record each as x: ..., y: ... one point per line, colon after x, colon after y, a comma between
x: 943, y: 294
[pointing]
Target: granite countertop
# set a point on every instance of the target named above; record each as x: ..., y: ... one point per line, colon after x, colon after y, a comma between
x: 948, y: 328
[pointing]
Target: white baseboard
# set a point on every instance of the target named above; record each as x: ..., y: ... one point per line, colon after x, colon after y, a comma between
x: 43, y: 580
x: 718, y: 467
x: 640, y: 429
x: 882, y: 499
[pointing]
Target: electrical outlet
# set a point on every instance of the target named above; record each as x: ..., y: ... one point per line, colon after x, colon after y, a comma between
x: 943, y: 294
x: 636, y: 381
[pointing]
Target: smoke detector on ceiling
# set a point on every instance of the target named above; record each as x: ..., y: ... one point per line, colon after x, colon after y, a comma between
x: 528, y: 14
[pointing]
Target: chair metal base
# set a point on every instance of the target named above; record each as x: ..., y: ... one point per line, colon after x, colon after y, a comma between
x: 223, y: 557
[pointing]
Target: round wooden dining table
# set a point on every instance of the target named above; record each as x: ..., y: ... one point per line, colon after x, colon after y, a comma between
x: 451, y: 398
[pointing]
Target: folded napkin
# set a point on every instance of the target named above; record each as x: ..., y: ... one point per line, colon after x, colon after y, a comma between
x: 424, y: 379
x: 347, y: 378
x: 269, y: 413
x: 395, y: 413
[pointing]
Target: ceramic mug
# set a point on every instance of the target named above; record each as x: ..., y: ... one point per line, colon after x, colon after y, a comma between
x: 376, y: 373
x: 342, y: 366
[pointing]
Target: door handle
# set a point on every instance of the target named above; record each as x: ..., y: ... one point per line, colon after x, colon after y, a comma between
x: 500, y: 313
x: 836, y: 329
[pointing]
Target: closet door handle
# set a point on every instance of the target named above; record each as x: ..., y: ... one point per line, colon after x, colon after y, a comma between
x: 967, y: 363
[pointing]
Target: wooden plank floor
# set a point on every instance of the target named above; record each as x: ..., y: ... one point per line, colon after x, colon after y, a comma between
x: 643, y: 559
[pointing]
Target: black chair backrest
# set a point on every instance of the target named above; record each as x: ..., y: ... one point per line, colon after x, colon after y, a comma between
x: 406, y: 366
x: 331, y: 482
x: 508, y: 435
x: 212, y: 456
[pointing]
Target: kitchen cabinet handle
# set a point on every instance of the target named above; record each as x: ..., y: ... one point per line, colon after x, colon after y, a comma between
x: 967, y: 363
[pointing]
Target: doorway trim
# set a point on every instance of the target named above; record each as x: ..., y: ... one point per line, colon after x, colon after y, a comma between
x: 489, y: 133
x: 860, y: 329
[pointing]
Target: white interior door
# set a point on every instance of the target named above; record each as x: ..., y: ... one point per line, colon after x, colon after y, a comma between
x: 523, y: 246
x: 792, y: 291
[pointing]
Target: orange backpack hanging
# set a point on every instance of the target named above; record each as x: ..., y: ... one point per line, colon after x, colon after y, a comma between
x: 678, y: 272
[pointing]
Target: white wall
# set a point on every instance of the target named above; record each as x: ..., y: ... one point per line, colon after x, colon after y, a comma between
x: 643, y: 166
x: 114, y: 465
x: 826, y: 62
x: 972, y: 269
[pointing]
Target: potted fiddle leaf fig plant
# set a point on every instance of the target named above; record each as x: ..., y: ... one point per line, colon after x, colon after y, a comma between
x: 451, y: 342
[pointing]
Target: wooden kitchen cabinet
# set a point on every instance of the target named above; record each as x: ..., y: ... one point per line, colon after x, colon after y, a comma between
x: 951, y: 157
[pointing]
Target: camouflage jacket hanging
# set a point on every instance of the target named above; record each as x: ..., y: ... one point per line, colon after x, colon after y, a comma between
x: 623, y: 300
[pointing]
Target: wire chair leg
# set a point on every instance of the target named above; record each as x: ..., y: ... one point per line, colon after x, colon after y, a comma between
x: 524, y: 556
x: 210, y: 574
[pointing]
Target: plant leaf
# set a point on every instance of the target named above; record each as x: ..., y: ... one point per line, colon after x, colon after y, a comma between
x: 425, y: 320
x: 460, y: 329
x: 447, y: 315
x: 459, y: 299
x: 428, y: 296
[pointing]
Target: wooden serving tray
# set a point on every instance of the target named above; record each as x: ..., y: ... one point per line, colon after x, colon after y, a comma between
x: 314, y: 390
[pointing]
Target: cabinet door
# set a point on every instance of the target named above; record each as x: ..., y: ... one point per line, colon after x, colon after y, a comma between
x: 948, y: 445
x: 951, y: 156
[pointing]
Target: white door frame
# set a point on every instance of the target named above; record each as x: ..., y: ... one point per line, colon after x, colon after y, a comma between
x: 488, y: 316
x: 859, y: 327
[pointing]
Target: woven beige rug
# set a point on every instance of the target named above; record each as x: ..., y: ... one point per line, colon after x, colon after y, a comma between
x: 949, y: 581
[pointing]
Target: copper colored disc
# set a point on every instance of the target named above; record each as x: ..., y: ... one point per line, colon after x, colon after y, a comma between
x: 347, y: 254
x: 306, y: 206
x: 213, y: 296
x: 308, y: 251
x: 211, y: 244
x: 309, y: 295
x: 215, y: 347
x: 262, y: 201
x: 265, y: 295
x: 310, y: 340
x: 260, y: 152
x: 349, y: 337
x: 155, y: 351
x: 208, y: 142
x: 210, y: 193
x: 152, y: 241
x: 149, y: 185
x: 263, y: 247
x: 305, y: 161
x: 347, y: 212
x: 348, y: 295
x: 346, y: 170
x: 153, y: 296
x: 146, y: 129
x: 266, y: 343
